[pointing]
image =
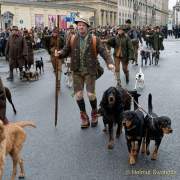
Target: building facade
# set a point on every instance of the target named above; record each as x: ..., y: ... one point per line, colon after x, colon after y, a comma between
x: 176, y: 13
x: 29, y: 13
x: 41, y: 13
x: 143, y: 12
x: 106, y: 10
x: 113, y: 12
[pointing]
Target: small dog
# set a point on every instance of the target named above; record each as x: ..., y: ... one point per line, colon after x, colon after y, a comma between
x: 29, y: 76
x: 39, y: 65
x: 12, y: 137
x: 133, y: 122
x: 9, y: 98
x: 34, y: 75
x: 113, y: 103
x: 25, y: 75
x: 155, y: 57
x: 139, y: 84
x: 145, y: 55
x: 68, y: 79
x: 68, y: 74
x: 155, y: 128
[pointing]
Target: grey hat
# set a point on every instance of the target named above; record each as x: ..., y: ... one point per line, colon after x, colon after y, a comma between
x: 84, y: 20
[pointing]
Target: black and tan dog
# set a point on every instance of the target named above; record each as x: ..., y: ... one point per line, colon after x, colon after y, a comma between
x: 133, y: 122
x: 145, y: 55
x: 155, y: 57
x: 111, y: 108
x: 155, y: 128
x: 113, y: 103
x: 39, y: 65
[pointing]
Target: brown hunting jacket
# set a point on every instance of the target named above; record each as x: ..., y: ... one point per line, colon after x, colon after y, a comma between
x: 16, y: 51
x: 73, y: 50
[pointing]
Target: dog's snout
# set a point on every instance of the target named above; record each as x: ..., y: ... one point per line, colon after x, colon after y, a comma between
x: 170, y: 130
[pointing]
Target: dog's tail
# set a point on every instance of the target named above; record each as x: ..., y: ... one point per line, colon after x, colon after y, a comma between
x: 150, y: 107
x: 25, y: 124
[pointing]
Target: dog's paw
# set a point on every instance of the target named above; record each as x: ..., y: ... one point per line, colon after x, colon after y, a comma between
x: 110, y: 145
x: 21, y: 176
x: 132, y: 160
x: 143, y: 149
x: 105, y: 130
x: 118, y: 135
x: 147, y: 152
x: 154, y: 156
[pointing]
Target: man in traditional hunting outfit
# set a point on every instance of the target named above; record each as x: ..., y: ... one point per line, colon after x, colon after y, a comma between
x: 157, y: 39
x: 123, y: 52
x: 83, y: 49
x: 56, y: 43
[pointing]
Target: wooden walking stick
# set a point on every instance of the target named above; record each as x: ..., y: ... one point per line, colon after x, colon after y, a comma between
x: 58, y: 78
x: 57, y: 88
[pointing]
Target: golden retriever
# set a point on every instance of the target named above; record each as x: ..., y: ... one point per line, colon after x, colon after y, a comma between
x: 12, y: 137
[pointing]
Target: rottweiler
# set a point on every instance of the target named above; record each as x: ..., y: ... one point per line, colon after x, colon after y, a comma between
x: 155, y: 128
x: 133, y: 122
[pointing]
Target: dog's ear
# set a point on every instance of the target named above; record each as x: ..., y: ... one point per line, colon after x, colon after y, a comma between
x: 104, y: 100
x: 119, y: 100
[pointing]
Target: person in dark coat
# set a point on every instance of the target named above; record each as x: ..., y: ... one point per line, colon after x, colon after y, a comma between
x: 157, y: 39
x: 30, y: 43
x: 135, y: 37
x: 123, y: 52
x: 16, y: 51
x: 56, y: 43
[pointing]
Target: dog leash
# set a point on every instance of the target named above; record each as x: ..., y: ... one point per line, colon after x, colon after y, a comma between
x: 139, y: 106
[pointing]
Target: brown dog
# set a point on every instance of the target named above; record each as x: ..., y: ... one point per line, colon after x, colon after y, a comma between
x: 12, y: 137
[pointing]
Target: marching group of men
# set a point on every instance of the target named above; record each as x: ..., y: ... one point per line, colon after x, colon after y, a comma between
x: 83, y: 45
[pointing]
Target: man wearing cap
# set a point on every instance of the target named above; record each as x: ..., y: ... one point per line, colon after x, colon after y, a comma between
x: 16, y: 51
x: 148, y: 37
x: 84, y: 67
x: 135, y: 37
x: 157, y: 39
x: 56, y: 43
x: 123, y: 52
